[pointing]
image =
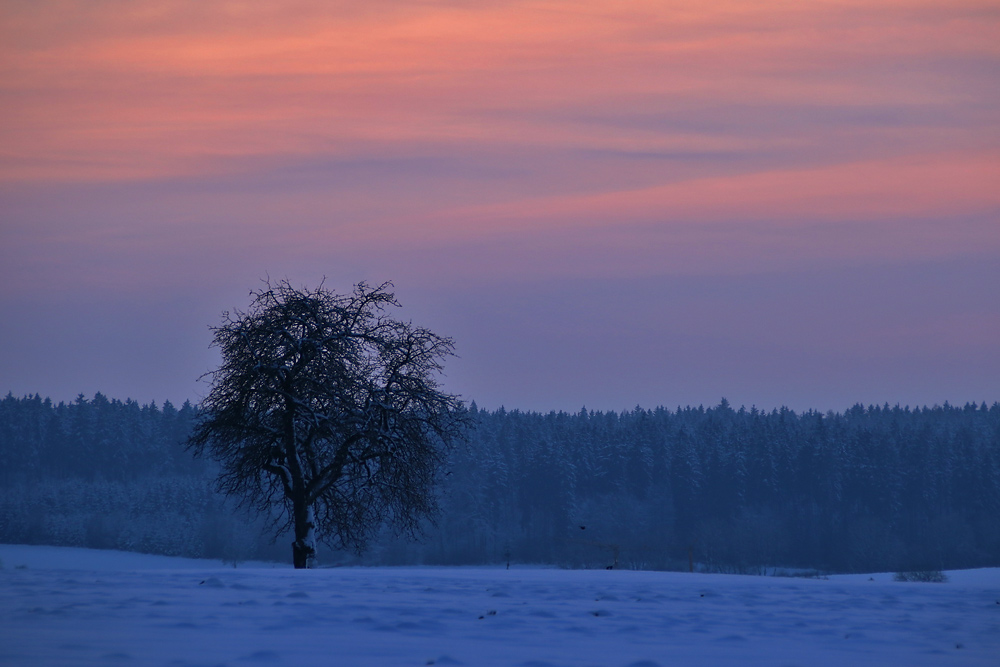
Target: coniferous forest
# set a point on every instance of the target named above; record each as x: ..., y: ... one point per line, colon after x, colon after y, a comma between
x: 731, y: 490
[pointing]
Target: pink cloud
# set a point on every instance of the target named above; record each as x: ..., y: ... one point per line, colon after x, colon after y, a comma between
x: 156, y: 149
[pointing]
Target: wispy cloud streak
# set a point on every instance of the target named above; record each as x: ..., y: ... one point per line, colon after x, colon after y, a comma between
x: 163, y: 145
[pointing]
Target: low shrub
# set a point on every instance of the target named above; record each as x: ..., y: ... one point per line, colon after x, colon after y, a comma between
x: 927, y: 576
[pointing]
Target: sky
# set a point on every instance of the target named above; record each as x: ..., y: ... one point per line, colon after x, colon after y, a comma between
x: 605, y: 204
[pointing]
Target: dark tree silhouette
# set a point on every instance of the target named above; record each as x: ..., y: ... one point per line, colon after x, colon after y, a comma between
x: 329, y: 410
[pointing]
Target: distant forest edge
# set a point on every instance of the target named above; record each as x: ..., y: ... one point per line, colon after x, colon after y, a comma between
x: 871, y: 489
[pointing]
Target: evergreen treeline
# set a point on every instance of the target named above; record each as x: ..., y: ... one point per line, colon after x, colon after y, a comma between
x: 108, y: 474
x: 876, y: 488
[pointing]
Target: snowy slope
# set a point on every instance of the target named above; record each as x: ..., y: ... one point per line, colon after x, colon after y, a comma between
x: 66, y: 608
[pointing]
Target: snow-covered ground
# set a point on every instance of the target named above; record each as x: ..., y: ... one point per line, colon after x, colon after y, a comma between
x: 75, y: 606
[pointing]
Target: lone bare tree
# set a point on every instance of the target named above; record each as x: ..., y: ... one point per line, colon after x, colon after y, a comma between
x: 329, y: 410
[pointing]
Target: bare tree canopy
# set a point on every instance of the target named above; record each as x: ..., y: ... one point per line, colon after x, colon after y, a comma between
x: 329, y: 410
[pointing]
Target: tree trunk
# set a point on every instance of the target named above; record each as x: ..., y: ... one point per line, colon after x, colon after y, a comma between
x: 304, y: 546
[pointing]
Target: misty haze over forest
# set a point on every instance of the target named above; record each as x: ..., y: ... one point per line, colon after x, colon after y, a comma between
x: 870, y: 489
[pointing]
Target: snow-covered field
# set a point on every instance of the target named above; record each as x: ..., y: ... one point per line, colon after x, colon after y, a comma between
x: 75, y: 606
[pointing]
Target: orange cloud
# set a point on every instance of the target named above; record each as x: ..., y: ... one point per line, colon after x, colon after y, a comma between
x: 639, y: 124
x: 141, y: 90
